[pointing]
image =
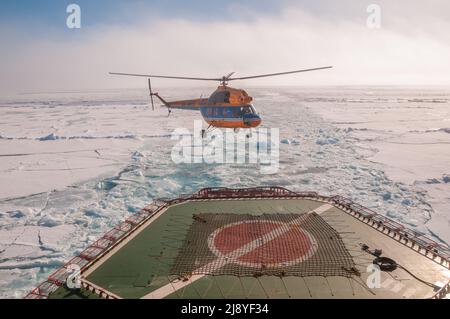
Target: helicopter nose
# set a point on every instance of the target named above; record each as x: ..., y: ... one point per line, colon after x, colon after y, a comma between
x: 257, y: 120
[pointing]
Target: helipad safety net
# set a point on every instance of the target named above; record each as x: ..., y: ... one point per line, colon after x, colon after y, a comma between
x: 276, y: 244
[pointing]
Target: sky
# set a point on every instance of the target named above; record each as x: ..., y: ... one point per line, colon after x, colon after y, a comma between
x: 209, y: 38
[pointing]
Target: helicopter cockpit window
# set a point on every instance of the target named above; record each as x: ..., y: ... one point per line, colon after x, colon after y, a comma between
x: 248, y: 110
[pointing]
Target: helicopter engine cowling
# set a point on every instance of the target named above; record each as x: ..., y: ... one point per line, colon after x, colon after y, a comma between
x: 229, y: 96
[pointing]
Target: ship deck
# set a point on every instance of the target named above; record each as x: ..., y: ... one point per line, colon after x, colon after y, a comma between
x: 164, y: 257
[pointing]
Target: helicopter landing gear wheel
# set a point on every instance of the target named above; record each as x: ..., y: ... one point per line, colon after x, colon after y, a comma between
x: 249, y: 134
x: 203, y: 133
x: 236, y: 130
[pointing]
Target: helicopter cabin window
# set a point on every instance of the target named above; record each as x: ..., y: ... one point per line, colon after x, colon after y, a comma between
x: 217, y: 111
x: 228, y: 112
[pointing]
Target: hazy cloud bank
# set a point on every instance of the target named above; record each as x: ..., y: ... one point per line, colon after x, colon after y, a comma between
x: 412, y: 47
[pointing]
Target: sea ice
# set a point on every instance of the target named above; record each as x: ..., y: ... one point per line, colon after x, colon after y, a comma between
x: 75, y: 167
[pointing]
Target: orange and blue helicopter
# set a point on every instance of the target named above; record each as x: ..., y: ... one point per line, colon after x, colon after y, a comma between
x: 226, y: 108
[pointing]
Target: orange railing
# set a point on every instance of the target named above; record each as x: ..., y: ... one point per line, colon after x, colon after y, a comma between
x: 94, y: 252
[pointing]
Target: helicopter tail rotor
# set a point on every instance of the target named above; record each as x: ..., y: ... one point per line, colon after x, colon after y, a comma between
x: 151, y: 93
x: 166, y: 104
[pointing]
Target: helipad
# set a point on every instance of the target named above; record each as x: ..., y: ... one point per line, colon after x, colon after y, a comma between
x: 257, y: 243
x: 270, y: 244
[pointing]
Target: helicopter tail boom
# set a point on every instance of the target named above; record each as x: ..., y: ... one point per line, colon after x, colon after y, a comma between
x: 164, y: 102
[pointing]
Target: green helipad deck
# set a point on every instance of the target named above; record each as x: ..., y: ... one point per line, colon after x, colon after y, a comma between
x: 258, y: 243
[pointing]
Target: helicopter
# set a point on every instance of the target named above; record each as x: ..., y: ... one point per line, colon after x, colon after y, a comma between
x: 227, y: 107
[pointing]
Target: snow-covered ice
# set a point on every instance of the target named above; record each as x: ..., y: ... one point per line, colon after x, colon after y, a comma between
x: 74, y: 164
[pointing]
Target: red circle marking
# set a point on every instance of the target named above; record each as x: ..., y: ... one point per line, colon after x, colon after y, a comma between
x: 262, y: 242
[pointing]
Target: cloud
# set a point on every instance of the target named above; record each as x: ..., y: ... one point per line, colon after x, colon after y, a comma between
x: 398, y: 53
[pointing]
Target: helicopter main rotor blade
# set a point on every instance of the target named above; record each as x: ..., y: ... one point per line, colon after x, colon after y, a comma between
x: 230, y: 75
x: 166, y: 77
x: 222, y: 80
x: 281, y: 73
